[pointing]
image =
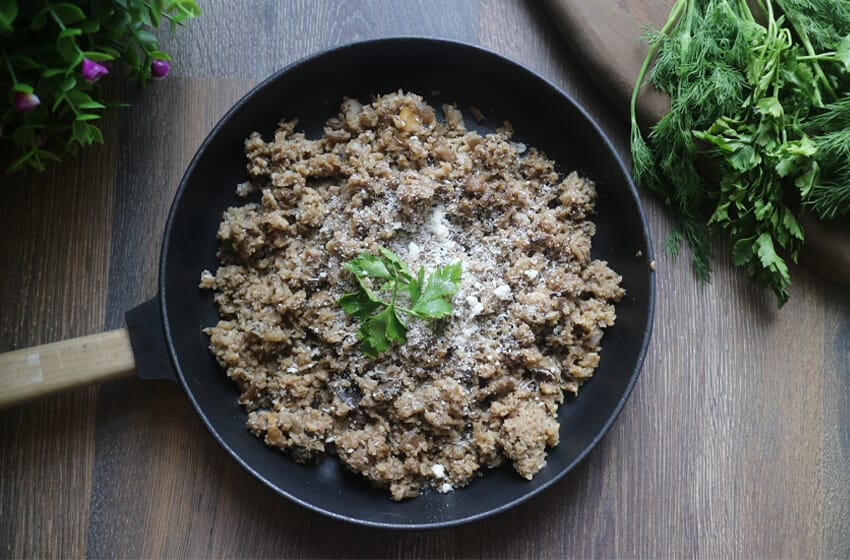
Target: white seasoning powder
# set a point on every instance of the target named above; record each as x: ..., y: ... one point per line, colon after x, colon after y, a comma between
x: 438, y: 225
x: 502, y: 292
x: 413, y: 251
x: 475, y: 306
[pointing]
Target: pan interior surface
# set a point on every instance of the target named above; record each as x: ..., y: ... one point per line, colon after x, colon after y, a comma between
x: 440, y: 71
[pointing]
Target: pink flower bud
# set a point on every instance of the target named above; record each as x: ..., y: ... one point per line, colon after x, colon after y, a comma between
x: 26, y: 102
x: 92, y: 71
x: 160, y: 69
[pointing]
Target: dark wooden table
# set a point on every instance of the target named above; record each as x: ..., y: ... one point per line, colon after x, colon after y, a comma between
x: 736, y: 441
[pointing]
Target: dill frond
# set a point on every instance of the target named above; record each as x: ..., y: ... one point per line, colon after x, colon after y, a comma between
x: 697, y: 236
x: 835, y: 116
x: 643, y: 163
x: 830, y: 200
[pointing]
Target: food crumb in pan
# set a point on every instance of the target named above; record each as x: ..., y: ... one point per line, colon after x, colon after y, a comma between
x: 477, y: 114
x: 464, y: 394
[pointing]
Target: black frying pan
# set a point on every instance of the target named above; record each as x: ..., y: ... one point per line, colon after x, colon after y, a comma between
x: 166, y: 332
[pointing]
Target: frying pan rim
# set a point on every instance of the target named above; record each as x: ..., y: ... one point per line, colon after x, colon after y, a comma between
x: 389, y: 41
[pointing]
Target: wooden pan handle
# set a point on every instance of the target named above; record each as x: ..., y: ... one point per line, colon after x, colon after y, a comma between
x: 60, y: 366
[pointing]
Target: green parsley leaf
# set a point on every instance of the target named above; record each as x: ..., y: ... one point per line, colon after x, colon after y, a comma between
x: 368, y: 266
x: 444, y: 282
x: 358, y: 304
x: 378, y: 331
x: 380, y: 310
x: 396, y: 263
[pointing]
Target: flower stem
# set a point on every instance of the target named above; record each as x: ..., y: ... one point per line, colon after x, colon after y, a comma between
x: 163, y: 13
x: 9, y: 66
x: 55, y: 17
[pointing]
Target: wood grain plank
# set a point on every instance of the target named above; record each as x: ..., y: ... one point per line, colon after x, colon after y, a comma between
x: 147, y: 436
x: 54, y: 254
x: 835, y: 439
x: 780, y: 410
x: 251, y: 40
x: 159, y: 136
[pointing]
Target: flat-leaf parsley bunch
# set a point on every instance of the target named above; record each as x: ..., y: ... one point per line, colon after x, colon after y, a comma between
x: 54, y: 54
x: 763, y: 90
x: 381, y: 306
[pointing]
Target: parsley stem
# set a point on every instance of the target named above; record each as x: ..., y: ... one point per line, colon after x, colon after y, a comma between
x: 395, y: 291
x: 406, y: 310
x: 821, y: 56
x: 398, y: 307
x: 804, y: 38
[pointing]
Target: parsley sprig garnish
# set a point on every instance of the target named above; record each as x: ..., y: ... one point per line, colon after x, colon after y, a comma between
x: 382, y: 310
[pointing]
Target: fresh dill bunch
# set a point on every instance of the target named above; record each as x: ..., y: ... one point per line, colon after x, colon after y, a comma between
x: 836, y: 116
x: 826, y: 22
x: 758, y: 128
x: 830, y: 200
x: 700, y: 55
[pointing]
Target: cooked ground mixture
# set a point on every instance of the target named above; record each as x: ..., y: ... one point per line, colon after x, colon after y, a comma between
x: 464, y: 393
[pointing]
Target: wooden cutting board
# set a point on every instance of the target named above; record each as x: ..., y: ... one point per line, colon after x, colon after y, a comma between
x: 606, y: 35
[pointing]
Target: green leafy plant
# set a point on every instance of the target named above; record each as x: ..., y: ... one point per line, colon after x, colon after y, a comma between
x: 757, y: 130
x: 55, y: 53
x: 377, y: 303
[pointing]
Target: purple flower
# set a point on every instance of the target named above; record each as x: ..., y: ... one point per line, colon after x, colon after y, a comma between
x: 92, y: 71
x: 160, y: 69
x: 26, y: 102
